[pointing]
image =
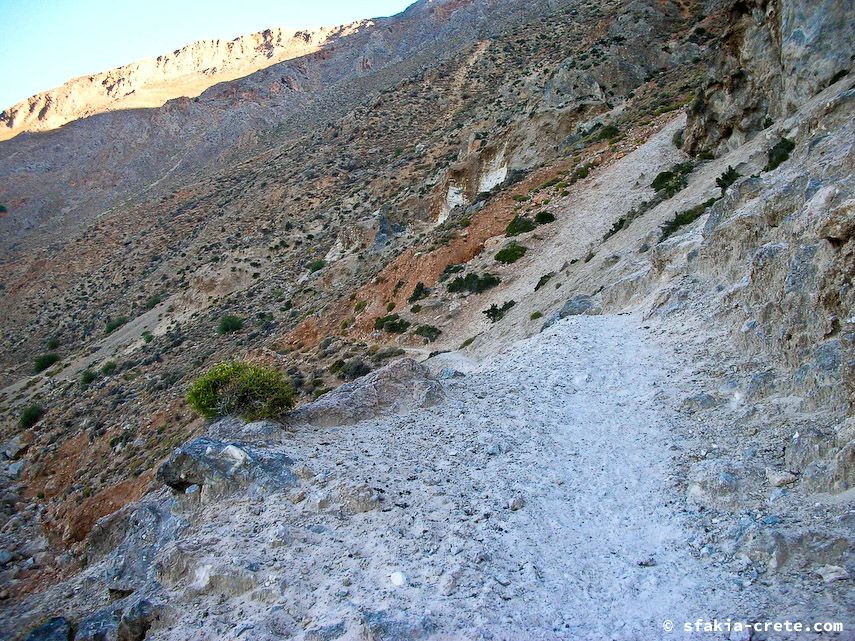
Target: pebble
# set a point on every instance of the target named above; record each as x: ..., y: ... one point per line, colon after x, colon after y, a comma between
x: 516, y: 503
x: 501, y: 579
x: 398, y: 579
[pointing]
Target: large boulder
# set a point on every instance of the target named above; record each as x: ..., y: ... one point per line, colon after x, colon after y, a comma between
x: 218, y: 467
x: 398, y: 387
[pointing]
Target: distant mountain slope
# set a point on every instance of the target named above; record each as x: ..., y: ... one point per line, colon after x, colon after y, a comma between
x: 150, y: 83
x: 53, y: 182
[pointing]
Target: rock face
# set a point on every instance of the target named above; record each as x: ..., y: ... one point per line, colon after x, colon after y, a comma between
x: 150, y: 83
x: 55, y: 629
x: 401, y: 386
x: 776, y: 54
x: 217, y: 468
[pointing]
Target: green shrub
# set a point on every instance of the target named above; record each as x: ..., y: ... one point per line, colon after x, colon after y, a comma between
x: 229, y: 324
x: 473, y: 283
x: 609, y: 131
x: 544, y: 217
x: 114, y: 323
x: 30, y: 416
x: 779, y: 153
x: 519, y: 225
x: 448, y: 271
x: 536, y: 315
x: 520, y: 198
x: 147, y: 336
x: 582, y: 171
x: 415, y: 309
x: 388, y: 352
x: 317, y: 265
x: 52, y: 343
x: 43, y: 361
x: 727, y: 179
x: 467, y: 342
x: 429, y: 332
x: 392, y: 323
x: 109, y: 367
x: 419, y: 292
x: 3, y: 209
x: 620, y: 223
x: 495, y: 313
x: 360, y: 305
x: 672, y: 181
x: 549, y: 183
x: 153, y: 301
x: 253, y: 392
x: 543, y: 280
x: 511, y: 253
x: 87, y: 377
x: 353, y: 368
x: 685, y: 218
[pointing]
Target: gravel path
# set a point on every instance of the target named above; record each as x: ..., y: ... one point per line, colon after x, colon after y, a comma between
x: 599, y: 550
x: 534, y: 502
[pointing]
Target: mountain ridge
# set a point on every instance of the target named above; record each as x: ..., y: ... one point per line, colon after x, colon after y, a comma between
x: 151, y: 82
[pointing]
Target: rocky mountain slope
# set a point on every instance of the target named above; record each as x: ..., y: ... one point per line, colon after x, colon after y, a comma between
x: 627, y: 271
x: 185, y: 72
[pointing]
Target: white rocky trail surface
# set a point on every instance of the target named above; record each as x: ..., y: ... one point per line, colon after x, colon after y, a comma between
x: 535, y: 499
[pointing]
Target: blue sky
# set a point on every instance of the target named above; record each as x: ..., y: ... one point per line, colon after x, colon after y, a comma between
x: 43, y: 43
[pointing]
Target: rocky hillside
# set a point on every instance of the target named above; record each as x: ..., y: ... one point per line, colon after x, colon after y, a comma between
x: 185, y: 72
x: 569, y: 318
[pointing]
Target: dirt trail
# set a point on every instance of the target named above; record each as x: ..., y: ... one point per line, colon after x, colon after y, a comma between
x: 534, y: 502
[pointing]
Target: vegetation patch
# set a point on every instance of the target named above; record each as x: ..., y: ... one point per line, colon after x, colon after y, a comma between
x: 779, y: 153
x: 473, y: 283
x: 670, y: 182
x: 544, y: 217
x: 685, y: 218
x: 609, y: 132
x: 109, y: 367
x: 392, y: 323
x: 229, y: 324
x: 30, y: 416
x: 729, y: 177
x: 43, y: 361
x: 536, y: 315
x: 317, y: 265
x: 350, y: 369
x: 87, y: 377
x: 153, y: 301
x: 511, y: 253
x: 115, y: 323
x: 543, y: 280
x: 549, y: 183
x: 620, y: 223
x: 519, y: 225
x: 496, y: 313
x: 428, y: 332
x: 253, y: 392
x: 420, y: 291
x: 387, y: 352
x: 448, y: 271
